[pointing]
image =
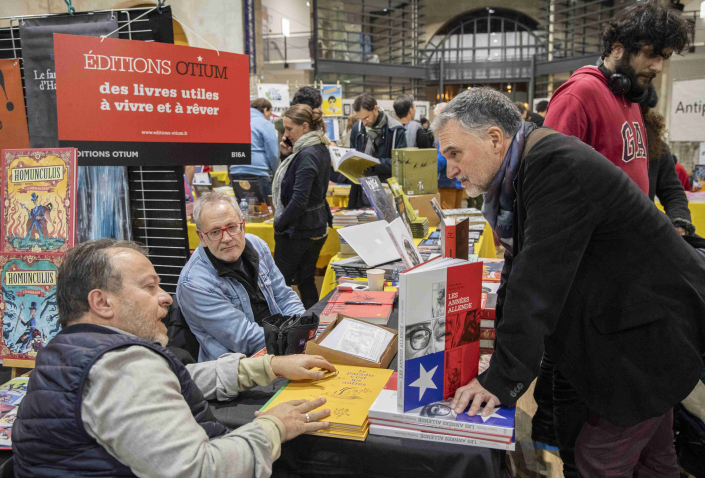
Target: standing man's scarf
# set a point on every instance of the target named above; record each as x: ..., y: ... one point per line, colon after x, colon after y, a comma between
x: 499, y: 199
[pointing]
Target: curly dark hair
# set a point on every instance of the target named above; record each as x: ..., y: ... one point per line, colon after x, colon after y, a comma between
x: 307, y: 95
x: 655, y: 129
x: 648, y: 23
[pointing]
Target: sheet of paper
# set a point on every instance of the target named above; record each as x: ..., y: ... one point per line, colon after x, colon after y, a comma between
x: 359, y: 339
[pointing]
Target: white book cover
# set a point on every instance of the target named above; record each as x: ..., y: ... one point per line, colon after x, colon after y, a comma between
x: 438, y: 437
x: 498, y: 427
x: 404, y: 243
x: 371, y: 242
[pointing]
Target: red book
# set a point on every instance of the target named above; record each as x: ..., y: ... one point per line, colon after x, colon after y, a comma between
x: 489, y: 306
x: 455, y: 238
x: 366, y: 307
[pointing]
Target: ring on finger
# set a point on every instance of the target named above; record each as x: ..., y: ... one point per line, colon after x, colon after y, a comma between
x: 308, y: 418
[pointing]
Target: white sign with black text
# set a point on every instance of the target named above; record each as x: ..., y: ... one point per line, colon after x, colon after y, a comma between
x: 688, y: 111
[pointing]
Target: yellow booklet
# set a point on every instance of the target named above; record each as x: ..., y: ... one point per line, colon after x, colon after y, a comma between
x: 360, y: 435
x: 348, y: 395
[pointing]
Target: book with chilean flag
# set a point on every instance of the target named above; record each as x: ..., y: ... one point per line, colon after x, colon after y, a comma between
x: 439, y: 330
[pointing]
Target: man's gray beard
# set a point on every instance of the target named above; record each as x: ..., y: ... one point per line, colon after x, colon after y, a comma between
x: 136, y: 322
x: 475, y: 188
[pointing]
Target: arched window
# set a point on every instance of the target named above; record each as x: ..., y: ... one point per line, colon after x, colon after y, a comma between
x: 503, y: 42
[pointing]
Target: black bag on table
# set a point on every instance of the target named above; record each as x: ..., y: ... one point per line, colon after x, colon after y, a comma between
x: 287, y: 335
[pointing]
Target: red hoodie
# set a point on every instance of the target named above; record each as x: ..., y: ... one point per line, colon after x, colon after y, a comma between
x: 585, y: 107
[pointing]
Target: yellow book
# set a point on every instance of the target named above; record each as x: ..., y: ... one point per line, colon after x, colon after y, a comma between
x: 396, y: 192
x: 327, y: 432
x: 348, y: 395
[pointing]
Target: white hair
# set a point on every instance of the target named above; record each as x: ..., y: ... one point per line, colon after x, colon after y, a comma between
x: 213, y: 197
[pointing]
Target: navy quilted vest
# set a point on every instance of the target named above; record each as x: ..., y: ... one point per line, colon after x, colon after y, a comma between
x: 48, y: 437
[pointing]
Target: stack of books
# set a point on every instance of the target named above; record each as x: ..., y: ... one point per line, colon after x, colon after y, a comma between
x: 259, y: 217
x: 349, y: 393
x: 487, y: 316
x: 419, y: 227
x: 437, y: 422
x: 462, y: 212
x: 338, y: 190
x: 491, y: 275
x: 353, y: 217
x: 356, y: 267
x: 373, y: 307
x: 430, y: 245
x: 11, y: 394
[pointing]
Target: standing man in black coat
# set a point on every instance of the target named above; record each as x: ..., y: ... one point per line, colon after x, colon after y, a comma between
x: 376, y: 134
x: 593, y: 272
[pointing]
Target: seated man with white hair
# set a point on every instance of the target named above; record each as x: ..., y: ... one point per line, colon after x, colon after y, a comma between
x: 231, y: 282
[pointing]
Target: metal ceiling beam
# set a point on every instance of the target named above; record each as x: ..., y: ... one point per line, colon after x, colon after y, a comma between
x: 564, y: 65
x: 373, y: 69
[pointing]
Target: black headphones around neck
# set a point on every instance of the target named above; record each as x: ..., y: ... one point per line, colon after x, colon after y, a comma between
x: 618, y: 83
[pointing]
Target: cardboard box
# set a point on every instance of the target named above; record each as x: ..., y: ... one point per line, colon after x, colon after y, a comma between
x: 342, y: 358
x: 422, y: 203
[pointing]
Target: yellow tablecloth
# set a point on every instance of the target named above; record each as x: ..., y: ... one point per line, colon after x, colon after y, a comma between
x: 697, y: 214
x: 337, y: 201
x: 265, y: 231
x: 485, y: 249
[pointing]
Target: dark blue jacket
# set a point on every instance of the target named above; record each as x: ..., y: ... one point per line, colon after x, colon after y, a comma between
x: 48, y: 437
x: 392, y: 136
x: 443, y: 180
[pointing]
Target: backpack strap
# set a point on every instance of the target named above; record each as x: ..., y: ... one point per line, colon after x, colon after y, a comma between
x: 533, y: 138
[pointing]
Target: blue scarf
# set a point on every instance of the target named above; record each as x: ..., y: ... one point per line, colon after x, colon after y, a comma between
x: 499, y: 199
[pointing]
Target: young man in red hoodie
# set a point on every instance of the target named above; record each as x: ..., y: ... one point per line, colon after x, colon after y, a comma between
x: 600, y: 106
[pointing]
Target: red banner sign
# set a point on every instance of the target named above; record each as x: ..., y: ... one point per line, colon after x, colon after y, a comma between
x: 123, y: 102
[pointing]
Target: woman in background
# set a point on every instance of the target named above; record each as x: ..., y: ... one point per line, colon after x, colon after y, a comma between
x: 302, y: 215
x: 663, y: 180
x: 345, y: 137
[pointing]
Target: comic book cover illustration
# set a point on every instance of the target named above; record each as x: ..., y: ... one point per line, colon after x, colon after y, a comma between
x: 30, y: 317
x: 39, y: 207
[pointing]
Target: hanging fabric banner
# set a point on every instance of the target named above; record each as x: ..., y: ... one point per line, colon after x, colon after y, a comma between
x: 13, y: 119
x: 40, y: 77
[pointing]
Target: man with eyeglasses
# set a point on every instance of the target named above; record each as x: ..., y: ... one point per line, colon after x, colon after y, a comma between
x: 376, y: 134
x: 230, y: 283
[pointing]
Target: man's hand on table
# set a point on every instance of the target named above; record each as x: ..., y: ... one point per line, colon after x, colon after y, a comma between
x: 475, y: 392
x: 298, y: 417
x: 297, y: 367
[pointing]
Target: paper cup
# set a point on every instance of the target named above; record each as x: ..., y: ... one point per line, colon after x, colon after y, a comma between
x: 375, y: 279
